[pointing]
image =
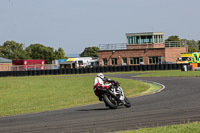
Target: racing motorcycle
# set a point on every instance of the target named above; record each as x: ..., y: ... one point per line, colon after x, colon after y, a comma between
x: 111, y: 95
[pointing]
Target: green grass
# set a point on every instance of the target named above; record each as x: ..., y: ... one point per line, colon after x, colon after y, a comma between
x: 183, y: 128
x: 170, y: 73
x: 20, y: 95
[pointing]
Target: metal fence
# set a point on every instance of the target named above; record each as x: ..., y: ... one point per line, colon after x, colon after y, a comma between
x: 116, y: 46
x: 122, y: 46
x: 129, y: 61
x: 29, y: 67
x: 175, y: 44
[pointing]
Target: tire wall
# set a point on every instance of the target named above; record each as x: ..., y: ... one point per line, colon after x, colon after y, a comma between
x: 94, y: 70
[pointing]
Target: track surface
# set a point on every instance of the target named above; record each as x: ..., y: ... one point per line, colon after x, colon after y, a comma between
x: 178, y: 103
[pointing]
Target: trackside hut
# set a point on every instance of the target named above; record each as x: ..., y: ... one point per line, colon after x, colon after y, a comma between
x: 5, y: 64
x: 141, y: 48
x: 29, y: 64
x: 70, y: 63
x: 76, y: 62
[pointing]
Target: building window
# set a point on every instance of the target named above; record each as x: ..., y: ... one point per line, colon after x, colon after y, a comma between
x: 135, y: 60
x: 105, y: 61
x: 149, y: 39
x: 155, y: 60
x: 155, y: 39
x: 114, y: 61
x: 130, y: 40
x: 143, y: 39
x: 124, y: 61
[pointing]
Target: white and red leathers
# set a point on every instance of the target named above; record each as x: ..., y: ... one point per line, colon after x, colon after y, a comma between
x: 99, y: 84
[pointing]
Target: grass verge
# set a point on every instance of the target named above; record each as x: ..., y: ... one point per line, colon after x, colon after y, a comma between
x: 183, y: 128
x: 170, y: 73
x: 20, y: 95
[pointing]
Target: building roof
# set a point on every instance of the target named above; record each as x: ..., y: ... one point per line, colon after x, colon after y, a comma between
x: 67, y: 62
x: 71, y: 59
x: 144, y: 33
x: 4, y: 60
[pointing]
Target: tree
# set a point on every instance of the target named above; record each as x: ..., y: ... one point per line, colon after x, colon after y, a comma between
x: 12, y: 50
x: 60, y: 54
x: 39, y: 51
x: 1, y: 49
x: 173, y: 38
x: 193, y: 46
x: 90, y: 52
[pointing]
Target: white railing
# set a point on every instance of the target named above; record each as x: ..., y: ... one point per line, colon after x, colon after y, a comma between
x: 116, y: 46
x: 175, y: 44
x: 29, y: 67
x: 121, y: 46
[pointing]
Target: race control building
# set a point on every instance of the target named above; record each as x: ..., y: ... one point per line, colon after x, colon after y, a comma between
x: 141, y: 48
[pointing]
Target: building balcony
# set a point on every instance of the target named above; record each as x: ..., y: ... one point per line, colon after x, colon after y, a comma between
x: 124, y: 46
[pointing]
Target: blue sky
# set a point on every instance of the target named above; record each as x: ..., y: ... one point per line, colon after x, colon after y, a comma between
x: 76, y: 24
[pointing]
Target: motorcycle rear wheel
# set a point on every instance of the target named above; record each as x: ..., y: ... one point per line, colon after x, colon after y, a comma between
x: 110, y: 101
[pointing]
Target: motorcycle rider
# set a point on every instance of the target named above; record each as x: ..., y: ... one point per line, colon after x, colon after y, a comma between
x: 99, y: 85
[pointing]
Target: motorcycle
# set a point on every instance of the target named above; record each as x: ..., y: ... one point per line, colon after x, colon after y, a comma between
x: 111, y: 95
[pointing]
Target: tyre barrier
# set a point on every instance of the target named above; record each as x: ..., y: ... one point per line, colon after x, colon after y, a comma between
x: 102, y: 69
x: 95, y: 70
x: 98, y: 70
x: 105, y: 69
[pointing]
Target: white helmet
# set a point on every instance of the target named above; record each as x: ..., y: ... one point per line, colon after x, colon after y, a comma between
x: 100, y: 75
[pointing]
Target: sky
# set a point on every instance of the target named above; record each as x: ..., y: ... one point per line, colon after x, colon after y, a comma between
x: 76, y: 24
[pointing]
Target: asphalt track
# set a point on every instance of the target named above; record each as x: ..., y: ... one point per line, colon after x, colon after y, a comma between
x: 178, y: 103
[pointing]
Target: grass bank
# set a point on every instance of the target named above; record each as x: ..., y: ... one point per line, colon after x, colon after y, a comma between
x: 183, y: 128
x: 170, y: 73
x: 20, y: 95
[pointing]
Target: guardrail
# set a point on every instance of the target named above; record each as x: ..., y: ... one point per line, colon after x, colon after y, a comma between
x: 93, y: 70
x: 175, y: 44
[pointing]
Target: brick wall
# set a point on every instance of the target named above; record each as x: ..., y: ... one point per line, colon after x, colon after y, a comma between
x: 119, y: 54
x: 167, y: 54
x: 171, y: 54
x: 5, y: 66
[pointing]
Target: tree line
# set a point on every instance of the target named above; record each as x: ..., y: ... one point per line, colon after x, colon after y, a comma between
x: 193, y: 46
x: 13, y: 50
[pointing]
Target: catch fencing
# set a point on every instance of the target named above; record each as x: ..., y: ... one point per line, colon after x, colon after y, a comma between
x: 93, y: 70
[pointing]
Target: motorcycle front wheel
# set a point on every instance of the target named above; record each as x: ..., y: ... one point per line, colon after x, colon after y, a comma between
x: 127, y: 103
x: 110, y: 101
